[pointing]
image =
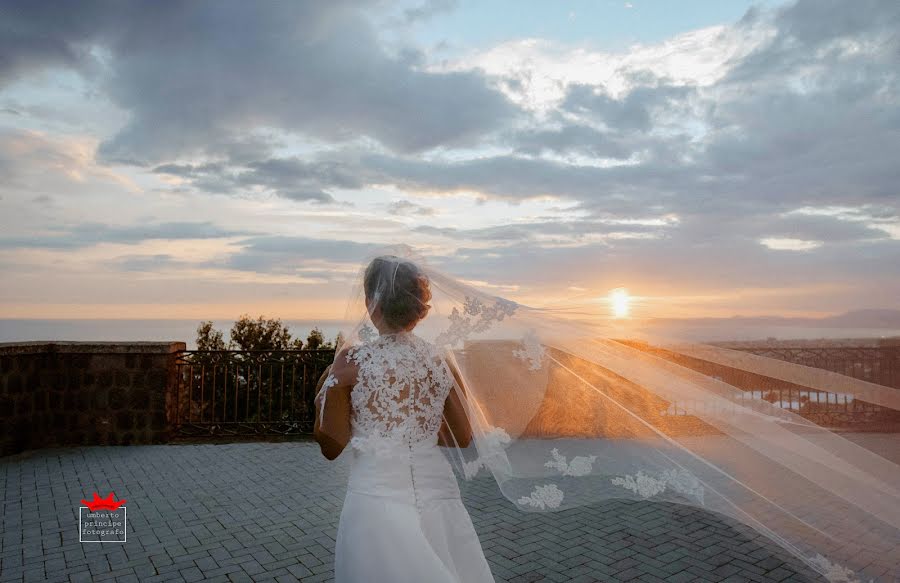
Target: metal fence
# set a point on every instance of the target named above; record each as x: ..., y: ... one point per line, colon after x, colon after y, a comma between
x: 271, y: 392
x: 876, y: 364
x: 246, y: 392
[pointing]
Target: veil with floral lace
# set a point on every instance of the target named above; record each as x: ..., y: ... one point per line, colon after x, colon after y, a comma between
x: 565, y: 413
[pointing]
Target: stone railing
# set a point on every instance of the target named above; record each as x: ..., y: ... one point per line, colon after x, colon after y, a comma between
x: 73, y: 393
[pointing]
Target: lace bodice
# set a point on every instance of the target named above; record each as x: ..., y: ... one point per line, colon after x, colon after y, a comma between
x: 400, y: 390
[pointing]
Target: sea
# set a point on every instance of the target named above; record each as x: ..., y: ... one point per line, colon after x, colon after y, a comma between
x: 19, y: 330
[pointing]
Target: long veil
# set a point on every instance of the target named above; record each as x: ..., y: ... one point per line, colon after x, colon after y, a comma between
x: 566, y: 413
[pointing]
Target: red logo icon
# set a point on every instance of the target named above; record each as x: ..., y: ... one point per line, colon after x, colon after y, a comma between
x: 107, y: 503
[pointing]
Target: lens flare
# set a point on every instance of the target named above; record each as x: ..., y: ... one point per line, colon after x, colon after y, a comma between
x: 620, y: 302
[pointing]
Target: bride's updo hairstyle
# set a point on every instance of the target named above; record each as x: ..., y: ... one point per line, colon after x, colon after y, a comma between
x: 399, y: 289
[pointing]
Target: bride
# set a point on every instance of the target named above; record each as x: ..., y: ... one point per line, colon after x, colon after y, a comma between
x: 438, y: 381
x: 390, y: 399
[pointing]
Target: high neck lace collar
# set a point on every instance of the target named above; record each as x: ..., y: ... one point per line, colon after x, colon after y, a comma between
x: 401, y: 335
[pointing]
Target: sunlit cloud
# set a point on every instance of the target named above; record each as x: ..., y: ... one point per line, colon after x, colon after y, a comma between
x: 884, y: 218
x: 784, y: 244
x: 542, y: 70
x: 491, y: 286
x: 40, y: 156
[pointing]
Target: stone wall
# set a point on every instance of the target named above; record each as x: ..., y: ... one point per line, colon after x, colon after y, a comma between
x: 85, y: 393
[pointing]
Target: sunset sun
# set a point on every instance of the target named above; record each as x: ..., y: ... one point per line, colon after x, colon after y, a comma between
x: 620, y: 301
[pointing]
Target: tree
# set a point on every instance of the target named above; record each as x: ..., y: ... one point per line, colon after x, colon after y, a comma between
x: 316, y: 339
x: 260, y: 334
x: 208, y: 338
x: 258, y: 387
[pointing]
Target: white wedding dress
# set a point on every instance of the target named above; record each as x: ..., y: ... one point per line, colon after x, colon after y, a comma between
x: 403, y: 519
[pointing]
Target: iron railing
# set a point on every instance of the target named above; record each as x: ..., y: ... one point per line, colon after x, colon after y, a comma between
x: 875, y: 364
x: 271, y: 392
x: 246, y: 392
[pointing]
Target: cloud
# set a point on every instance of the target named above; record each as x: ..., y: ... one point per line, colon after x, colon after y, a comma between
x: 633, y: 112
x: 850, y: 275
x: 573, y: 139
x: 195, y: 76
x: 814, y: 36
x: 505, y: 177
x: 35, y: 162
x: 536, y: 73
x: 697, y: 125
x: 285, y: 254
x: 794, y: 108
x: 820, y: 228
x: 291, y: 178
x: 92, y: 233
x: 787, y: 244
x: 428, y: 9
x: 509, y: 177
x: 148, y: 263
x: 32, y: 37
x: 406, y: 207
x: 549, y: 233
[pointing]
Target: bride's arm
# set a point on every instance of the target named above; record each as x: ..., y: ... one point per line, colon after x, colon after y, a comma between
x: 455, y: 428
x: 332, y: 427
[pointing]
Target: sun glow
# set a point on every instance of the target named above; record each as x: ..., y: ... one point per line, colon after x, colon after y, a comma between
x: 620, y: 302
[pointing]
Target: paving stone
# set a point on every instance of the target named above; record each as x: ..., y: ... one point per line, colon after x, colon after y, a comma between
x: 269, y: 512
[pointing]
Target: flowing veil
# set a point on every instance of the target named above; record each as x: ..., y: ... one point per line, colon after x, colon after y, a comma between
x: 566, y: 412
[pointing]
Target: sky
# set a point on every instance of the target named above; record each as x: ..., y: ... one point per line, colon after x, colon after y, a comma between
x: 208, y: 159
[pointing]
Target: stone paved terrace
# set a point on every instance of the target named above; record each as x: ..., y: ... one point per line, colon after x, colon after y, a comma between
x: 269, y: 512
